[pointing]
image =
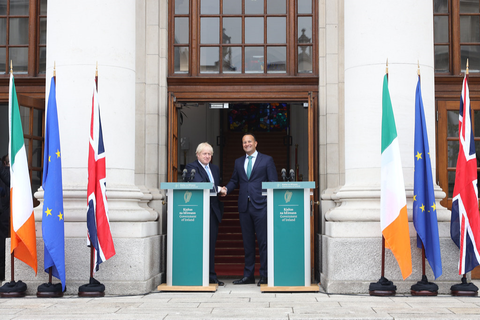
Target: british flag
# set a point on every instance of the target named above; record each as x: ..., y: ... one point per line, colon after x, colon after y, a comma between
x: 99, y: 235
x: 465, y: 222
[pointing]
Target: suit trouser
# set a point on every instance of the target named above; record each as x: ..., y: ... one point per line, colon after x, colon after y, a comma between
x: 2, y: 257
x: 213, y: 239
x: 254, y: 221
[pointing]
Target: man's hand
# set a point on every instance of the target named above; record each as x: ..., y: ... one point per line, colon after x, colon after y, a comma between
x: 223, y: 191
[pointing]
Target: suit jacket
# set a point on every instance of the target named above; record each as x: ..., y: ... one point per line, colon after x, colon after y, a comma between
x: 263, y: 171
x: 216, y: 206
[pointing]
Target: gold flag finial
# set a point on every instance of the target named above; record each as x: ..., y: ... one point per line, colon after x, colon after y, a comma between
x: 386, y: 68
x: 11, y: 66
x: 96, y: 70
x: 54, y: 71
x: 467, y: 67
x: 418, y: 70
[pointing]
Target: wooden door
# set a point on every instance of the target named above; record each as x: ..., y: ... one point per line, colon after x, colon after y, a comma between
x: 447, y: 144
x: 32, y: 110
x: 313, y: 176
x: 172, y: 162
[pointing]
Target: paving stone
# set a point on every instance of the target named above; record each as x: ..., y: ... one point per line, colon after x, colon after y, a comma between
x: 409, y: 310
x: 241, y: 302
x: 342, y: 316
x: 465, y: 310
x: 432, y: 316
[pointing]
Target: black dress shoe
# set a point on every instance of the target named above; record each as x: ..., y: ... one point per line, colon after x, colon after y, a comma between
x: 220, y: 283
x: 244, y: 280
x: 263, y: 280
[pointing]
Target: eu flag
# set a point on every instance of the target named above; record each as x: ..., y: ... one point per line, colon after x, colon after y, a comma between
x: 424, y: 207
x: 53, y: 215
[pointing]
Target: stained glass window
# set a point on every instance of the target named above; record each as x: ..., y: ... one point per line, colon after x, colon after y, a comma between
x: 253, y: 117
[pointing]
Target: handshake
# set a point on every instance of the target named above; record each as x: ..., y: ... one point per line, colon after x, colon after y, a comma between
x: 222, y: 191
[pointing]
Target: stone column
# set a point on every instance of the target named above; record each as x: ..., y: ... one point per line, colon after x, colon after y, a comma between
x: 79, y: 36
x: 402, y: 32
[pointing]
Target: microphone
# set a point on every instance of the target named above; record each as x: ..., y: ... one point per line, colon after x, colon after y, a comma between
x: 192, y: 174
x: 184, y: 174
x: 292, y: 175
x: 284, y: 174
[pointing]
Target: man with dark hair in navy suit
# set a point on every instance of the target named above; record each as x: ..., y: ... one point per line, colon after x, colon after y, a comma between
x: 207, y: 172
x: 249, y: 172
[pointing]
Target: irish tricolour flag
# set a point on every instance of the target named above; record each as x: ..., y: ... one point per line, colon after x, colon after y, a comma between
x: 21, y: 203
x: 393, y: 202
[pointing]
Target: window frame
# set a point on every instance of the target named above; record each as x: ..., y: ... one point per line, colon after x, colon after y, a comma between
x: 33, y: 57
x: 454, y: 42
x: 291, y: 44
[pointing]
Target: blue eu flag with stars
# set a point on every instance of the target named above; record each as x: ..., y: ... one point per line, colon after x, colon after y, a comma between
x: 424, y: 207
x: 52, y: 214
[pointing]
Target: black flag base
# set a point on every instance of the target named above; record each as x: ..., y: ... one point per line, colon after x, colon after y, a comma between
x: 383, y: 287
x: 50, y: 290
x: 424, y: 288
x: 13, y: 289
x: 464, y: 289
x: 93, y: 289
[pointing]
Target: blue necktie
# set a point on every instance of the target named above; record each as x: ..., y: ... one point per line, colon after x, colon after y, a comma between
x: 209, y: 174
x: 249, y: 166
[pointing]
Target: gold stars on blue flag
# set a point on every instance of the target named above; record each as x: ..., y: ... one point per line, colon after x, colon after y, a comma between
x: 424, y: 219
x: 53, y: 226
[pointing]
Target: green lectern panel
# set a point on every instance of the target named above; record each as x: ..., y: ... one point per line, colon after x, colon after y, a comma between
x: 289, y: 250
x: 187, y: 258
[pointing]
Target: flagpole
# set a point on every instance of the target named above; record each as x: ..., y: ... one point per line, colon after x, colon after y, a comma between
x: 12, y: 289
x: 464, y: 288
x: 464, y: 278
x: 94, y: 288
x: 383, y: 238
x: 382, y: 287
x: 12, y: 254
x: 50, y: 290
x: 55, y: 81
x: 423, y: 247
x: 92, y: 249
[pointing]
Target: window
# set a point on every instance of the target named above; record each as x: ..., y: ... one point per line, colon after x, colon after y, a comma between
x: 243, y: 37
x: 23, y: 36
x: 457, y: 35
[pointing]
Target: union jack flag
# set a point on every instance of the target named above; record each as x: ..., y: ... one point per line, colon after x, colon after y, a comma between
x: 465, y: 222
x: 99, y: 235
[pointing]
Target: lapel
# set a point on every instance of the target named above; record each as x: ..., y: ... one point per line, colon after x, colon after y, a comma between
x: 203, y: 173
x: 258, y: 160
